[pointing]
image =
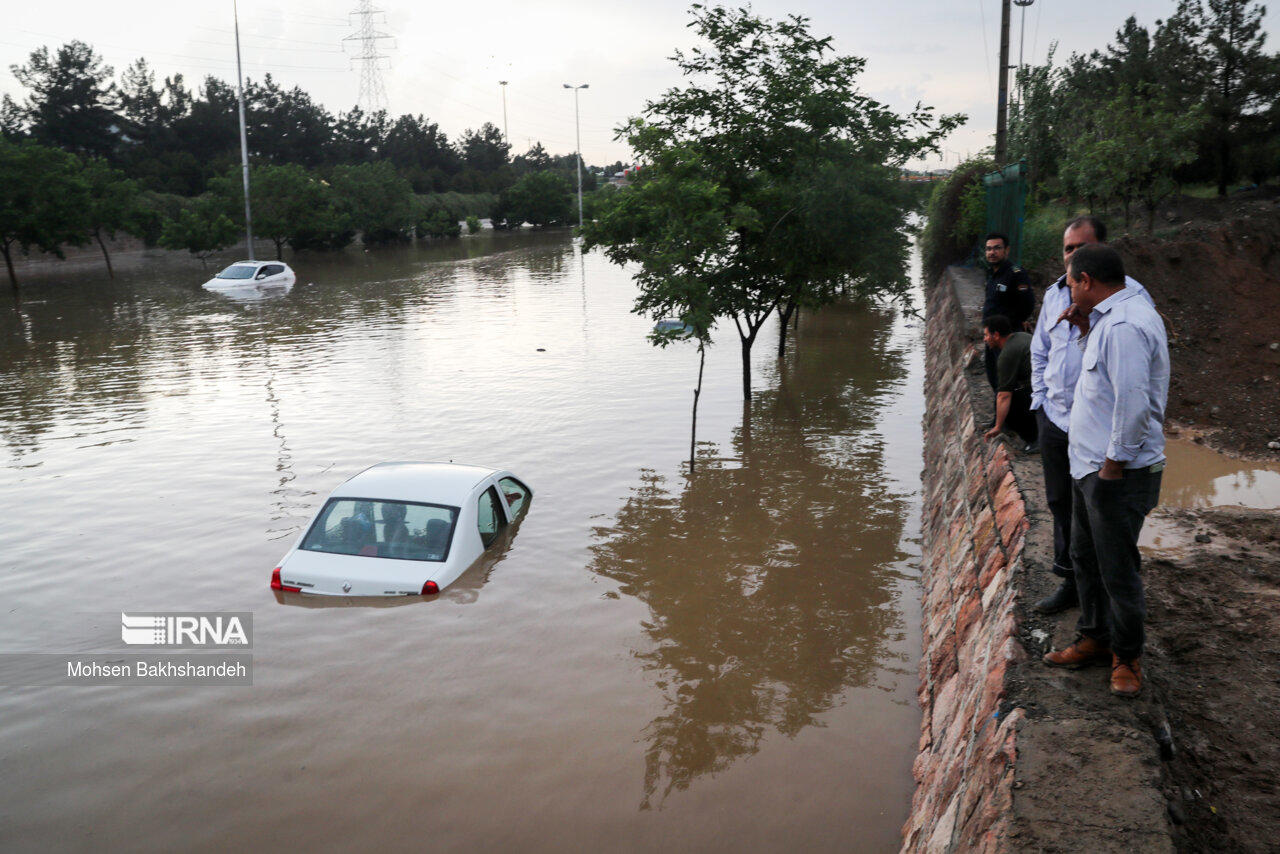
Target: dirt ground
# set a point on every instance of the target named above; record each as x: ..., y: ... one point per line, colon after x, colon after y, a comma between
x: 1213, y: 268
x: 1214, y: 645
x: 1194, y: 761
x: 1208, y: 723
x: 1204, y: 734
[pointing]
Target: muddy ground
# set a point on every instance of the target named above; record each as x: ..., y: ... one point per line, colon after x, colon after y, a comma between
x: 1213, y: 657
x: 1194, y: 761
x: 1213, y: 268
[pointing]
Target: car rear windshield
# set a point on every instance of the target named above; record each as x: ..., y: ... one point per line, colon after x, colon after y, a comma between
x: 393, y: 529
x: 238, y: 271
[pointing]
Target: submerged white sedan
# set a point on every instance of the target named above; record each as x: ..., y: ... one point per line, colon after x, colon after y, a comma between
x: 402, y: 529
x: 252, y: 275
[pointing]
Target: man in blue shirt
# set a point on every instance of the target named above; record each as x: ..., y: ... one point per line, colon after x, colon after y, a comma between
x: 1055, y: 368
x: 1117, y: 457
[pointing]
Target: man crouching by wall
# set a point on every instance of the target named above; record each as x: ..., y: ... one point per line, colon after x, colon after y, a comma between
x: 1116, y: 448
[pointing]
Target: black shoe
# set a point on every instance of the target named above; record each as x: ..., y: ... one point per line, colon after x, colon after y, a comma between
x: 1059, y: 600
x: 1031, y: 448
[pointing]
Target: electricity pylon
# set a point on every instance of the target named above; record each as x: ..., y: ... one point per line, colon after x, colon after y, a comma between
x: 373, y: 94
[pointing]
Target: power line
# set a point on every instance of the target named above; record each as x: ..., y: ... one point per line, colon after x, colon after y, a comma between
x: 149, y: 52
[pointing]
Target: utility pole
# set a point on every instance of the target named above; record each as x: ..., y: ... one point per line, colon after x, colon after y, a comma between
x: 1022, y: 38
x: 1002, y: 100
x: 244, y: 139
x: 577, y: 133
x: 505, y: 135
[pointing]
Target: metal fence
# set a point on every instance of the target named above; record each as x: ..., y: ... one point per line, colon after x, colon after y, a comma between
x: 1007, y: 204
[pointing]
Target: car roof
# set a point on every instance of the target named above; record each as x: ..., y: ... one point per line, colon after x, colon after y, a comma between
x: 433, y: 483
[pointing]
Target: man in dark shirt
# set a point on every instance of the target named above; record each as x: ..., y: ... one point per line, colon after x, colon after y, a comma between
x: 1009, y: 293
x: 1013, y: 378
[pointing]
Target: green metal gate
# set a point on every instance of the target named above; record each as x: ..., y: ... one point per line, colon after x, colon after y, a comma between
x: 1007, y: 203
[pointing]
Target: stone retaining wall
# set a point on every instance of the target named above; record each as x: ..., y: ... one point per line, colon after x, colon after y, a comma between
x: 1013, y: 755
x: 974, y: 530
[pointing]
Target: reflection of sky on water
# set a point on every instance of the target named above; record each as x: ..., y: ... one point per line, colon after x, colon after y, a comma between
x: 159, y: 445
x: 1197, y: 476
x: 770, y: 576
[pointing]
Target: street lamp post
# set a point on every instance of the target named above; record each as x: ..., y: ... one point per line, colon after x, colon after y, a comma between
x: 1023, y: 4
x: 505, y: 135
x: 577, y: 130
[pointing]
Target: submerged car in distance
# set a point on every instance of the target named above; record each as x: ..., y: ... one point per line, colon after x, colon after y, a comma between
x: 402, y: 529
x: 252, y: 275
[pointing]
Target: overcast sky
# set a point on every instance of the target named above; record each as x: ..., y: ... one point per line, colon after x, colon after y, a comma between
x: 445, y: 60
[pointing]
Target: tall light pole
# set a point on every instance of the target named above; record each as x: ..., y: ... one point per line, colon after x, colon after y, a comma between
x: 577, y: 130
x: 505, y: 135
x: 1022, y: 37
x: 244, y: 142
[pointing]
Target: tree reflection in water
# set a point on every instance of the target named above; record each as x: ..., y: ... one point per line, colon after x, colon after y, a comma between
x: 769, y: 577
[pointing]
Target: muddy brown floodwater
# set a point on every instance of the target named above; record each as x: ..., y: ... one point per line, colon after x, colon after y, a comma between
x: 717, y: 662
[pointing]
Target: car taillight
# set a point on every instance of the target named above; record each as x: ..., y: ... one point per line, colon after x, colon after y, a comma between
x: 276, y: 584
x: 430, y: 588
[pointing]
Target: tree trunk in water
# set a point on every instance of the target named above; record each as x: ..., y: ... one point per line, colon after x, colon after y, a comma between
x: 697, y: 392
x: 279, y: 250
x: 110, y: 272
x: 13, y: 277
x: 746, y: 367
x: 784, y: 318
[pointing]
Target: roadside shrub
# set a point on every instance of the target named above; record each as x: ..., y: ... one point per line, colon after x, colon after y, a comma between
x: 956, y: 217
x: 473, y: 224
x: 437, y: 222
x: 1042, y: 236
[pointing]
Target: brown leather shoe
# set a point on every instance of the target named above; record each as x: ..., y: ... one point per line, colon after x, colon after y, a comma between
x: 1083, y: 653
x: 1126, y: 677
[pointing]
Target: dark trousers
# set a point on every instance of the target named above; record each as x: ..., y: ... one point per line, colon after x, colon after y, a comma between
x: 1106, y: 519
x: 1057, y: 491
x: 1021, y: 419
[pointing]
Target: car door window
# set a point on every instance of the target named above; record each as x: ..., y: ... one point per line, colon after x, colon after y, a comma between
x: 270, y: 270
x: 517, y: 494
x: 489, y: 517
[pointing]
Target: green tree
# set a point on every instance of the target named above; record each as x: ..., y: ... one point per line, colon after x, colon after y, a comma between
x: 539, y: 198
x: 112, y: 204
x: 1243, y: 77
x: 201, y: 229
x: 73, y: 101
x: 375, y: 201
x: 772, y: 131
x: 285, y: 125
x: 290, y: 205
x: 1136, y: 145
x: 43, y: 197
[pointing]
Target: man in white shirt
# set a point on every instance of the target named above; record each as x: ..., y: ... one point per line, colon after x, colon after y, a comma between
x: 1117, y: 459
x: 1055, y: 368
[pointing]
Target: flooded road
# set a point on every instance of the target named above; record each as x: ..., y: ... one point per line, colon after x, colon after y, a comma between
x: 724, y: 661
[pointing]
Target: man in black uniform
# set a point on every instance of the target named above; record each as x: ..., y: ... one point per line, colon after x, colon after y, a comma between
x: 1008, y: 294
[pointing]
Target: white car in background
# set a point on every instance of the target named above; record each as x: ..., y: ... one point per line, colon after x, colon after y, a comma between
x: 402, y: 529
x: 252, y: 275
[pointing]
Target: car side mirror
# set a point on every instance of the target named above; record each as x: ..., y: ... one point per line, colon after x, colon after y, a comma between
x: 261, y: 275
